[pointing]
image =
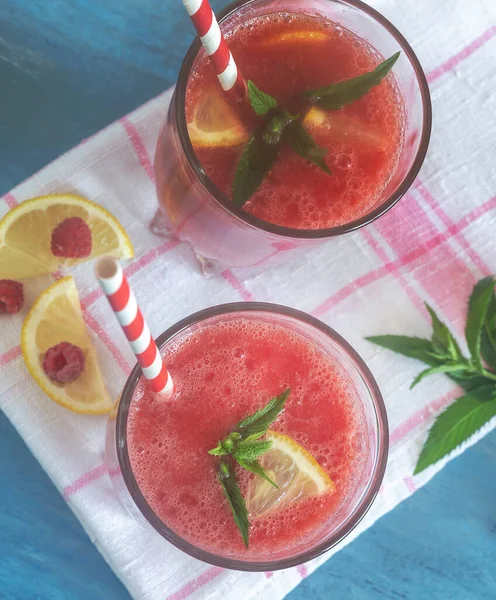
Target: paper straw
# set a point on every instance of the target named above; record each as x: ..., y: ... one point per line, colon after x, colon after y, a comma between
x: 215, y: 45
x: 123, y: 302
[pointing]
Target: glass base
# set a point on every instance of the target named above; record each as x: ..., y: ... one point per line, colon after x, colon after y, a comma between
x: 158, y: 226
x: 208, y: 267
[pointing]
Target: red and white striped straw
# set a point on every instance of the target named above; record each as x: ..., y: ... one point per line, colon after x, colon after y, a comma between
x: 215, y: 45
x: 123, y: 302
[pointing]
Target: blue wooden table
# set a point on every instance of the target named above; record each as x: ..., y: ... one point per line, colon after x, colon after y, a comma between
x: 66, y: 70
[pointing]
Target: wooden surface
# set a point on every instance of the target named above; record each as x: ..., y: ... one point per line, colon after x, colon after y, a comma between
x: 66, y: 70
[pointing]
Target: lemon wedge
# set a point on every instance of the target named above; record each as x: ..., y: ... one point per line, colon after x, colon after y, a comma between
x: 295, y: 471
x: 215, y: 123
x: 26, y: 232
x: 54, y: 318
x: 300, y: 37
x: 344, y: 127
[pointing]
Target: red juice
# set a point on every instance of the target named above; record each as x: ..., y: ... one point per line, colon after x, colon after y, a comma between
x: 285, y: 54
x: 224, y: 370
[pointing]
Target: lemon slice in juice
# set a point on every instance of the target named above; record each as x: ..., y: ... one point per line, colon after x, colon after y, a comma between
x: 295, y: 471
x: 26, y: 233
x: 215, y: 124
x: 54, y: 318
x: 299, y: 37
x: 343, y: 127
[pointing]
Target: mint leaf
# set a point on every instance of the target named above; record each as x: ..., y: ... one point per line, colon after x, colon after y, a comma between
x: 456, y: 424
x: 337, y: 95
x: 227, y: 445
x: 488, y: 337
x: 248, y: 451
x: 443, y: 342
x: 477, y: 310
x: 412, y: 347
x: 467, y: 382
x: 218, y: 450
x: 261, y: 102
x: 256, y: 467
x: 421, y: 349
x: 448, y: 368
x: 303, y: 144
x: 256, y: 161
x: 258, y: 423
x: 235, y: 498
x: 276, y: 126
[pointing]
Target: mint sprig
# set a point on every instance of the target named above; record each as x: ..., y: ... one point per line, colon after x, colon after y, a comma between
x: 337, y: 95
x: 476, y: 375
x: 244, y: 446
x: 279, y: 128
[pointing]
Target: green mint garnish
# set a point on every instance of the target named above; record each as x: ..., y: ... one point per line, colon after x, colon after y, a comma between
x: 235, y: 499
x: 277, y: 126
x: 478, y: 308
x: 303, y: 144
x: 256, y: 467
x: 337, y: 95
x: 280, y: 128
x: 488, y: 336
x: 244, y: 446
x: 249, y: 451
x: 476, y: 375
x: 255, y: 162
x: 457, y: 423
x: 258, y: 423
x: 261, y: 102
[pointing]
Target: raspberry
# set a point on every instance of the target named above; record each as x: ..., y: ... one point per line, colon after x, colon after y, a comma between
x: 71, y: 238
x: 64, y: 362
x: 11, y: 296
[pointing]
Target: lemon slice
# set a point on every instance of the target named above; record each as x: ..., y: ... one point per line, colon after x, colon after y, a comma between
x: 215, y: 123
x: 26, y: 233
x: 54, y: 318
x: 344, y: 127
x: 299, y: 37
x: 295, y: 471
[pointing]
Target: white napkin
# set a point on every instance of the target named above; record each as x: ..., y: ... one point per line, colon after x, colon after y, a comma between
x: 434, y: 245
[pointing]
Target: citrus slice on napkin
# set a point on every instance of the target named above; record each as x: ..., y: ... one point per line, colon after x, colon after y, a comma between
x: 41, y: 235
x: 56, y: 318
x: 215, y: 123
x: 295, y: 471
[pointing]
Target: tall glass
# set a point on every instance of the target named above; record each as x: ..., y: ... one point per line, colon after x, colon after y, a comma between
x: 193, y: 209
x: 367, y: 482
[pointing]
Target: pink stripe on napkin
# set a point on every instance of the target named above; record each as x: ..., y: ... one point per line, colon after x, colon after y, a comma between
x: 456, y: 59
x: 196, y: 583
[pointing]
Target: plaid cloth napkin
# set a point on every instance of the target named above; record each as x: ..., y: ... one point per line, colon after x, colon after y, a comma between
x: 434, y: 245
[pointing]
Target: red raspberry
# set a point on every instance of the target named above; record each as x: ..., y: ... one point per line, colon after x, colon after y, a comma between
x: 64, y: 362
x: 71, y: 238
x: 11, y: 296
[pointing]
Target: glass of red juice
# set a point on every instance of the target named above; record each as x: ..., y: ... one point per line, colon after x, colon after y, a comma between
x: 227, y: 362
x: 376, y: 145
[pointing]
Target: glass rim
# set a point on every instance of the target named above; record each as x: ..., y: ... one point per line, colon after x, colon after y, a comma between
x: 370, y: 491
x: 179, y: 102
